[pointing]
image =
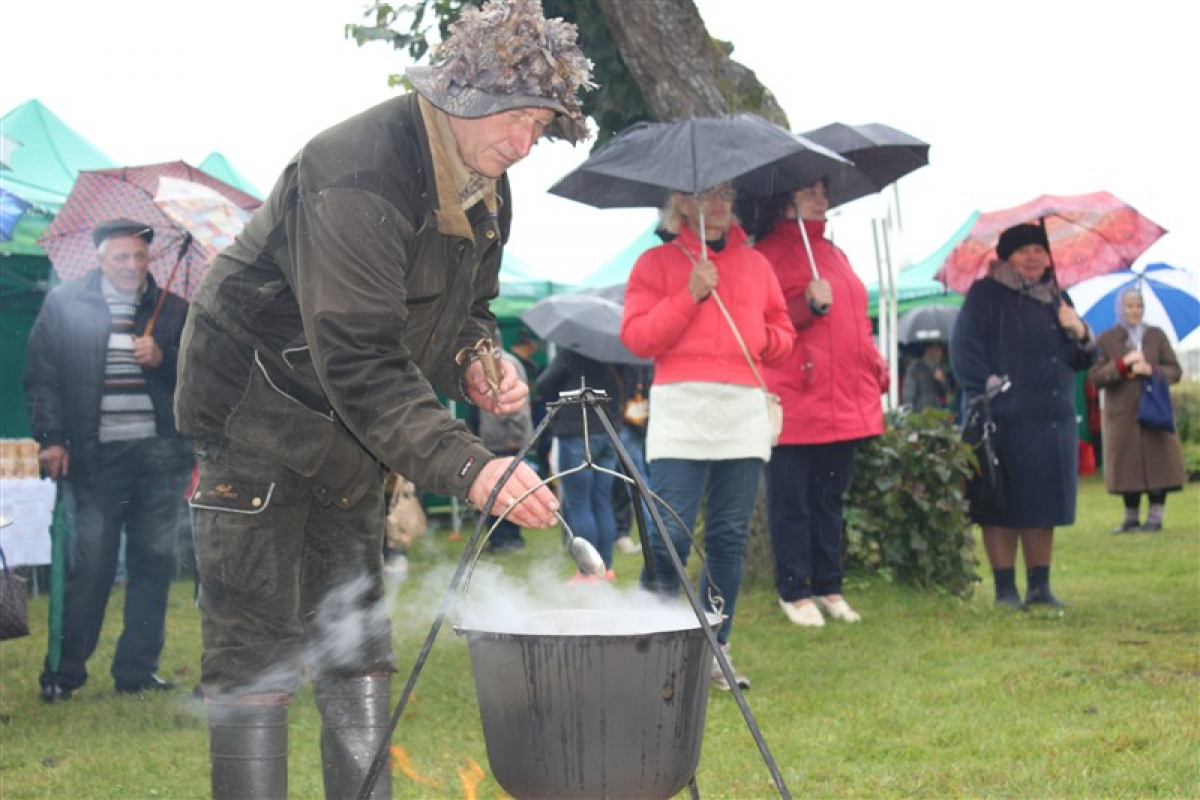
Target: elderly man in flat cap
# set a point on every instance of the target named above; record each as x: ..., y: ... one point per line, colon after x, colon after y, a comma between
x: 312, y: 360
x: 100, y: 397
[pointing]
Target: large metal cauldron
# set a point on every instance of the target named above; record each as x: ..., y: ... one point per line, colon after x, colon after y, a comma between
x: 592, y: 703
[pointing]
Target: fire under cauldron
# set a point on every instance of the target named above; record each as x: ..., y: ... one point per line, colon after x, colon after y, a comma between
x: 593, y: 703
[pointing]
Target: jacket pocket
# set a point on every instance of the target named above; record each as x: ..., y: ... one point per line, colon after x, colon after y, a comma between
x: 276, y: 425
x: 348, y: 472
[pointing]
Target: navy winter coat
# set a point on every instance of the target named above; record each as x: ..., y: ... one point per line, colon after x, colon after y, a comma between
x: 1003, y: 331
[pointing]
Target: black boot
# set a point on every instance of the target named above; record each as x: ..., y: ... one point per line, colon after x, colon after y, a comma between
x: 1037, y: 592
x: 354, y: 722
x: 1006, y: 588
x: 248, y: 750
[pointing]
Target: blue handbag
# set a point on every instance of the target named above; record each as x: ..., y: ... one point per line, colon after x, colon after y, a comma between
x: 1154, y: 410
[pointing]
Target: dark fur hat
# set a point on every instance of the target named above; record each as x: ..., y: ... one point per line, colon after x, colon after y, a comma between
x: 508, y: 55
x: 1018, y: 236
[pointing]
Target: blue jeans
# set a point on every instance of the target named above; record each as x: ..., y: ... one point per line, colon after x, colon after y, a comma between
x: 728, y: 489
x: 634, y: 442
x: 587, y: 494
x: 805, y: 486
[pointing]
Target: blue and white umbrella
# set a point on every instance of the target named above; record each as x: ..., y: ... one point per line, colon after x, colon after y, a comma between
x: 1171, y: 296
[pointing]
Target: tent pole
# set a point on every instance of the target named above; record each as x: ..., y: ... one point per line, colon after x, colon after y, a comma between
x: 893, y: 353
x: 882, y: 316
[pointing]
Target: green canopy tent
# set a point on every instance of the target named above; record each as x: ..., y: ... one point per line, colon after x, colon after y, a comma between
x: 219, y: 167
x: 915, y: 284
x: 520, y: 287
x: 616, y: 270
x: 42, y: 156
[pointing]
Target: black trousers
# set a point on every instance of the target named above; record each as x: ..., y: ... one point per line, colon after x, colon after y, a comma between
x: 291, y: 571
x: 138, y: 486
x: 805, y: 485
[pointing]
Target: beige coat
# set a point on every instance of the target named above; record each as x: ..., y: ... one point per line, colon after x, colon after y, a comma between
x: 1136, y: 459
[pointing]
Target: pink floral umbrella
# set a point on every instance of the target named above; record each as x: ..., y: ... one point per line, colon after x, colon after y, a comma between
x: 184, y: 232
x: 1089, y: 234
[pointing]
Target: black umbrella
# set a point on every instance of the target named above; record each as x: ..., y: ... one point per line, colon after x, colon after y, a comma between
x: 881, y: 154
x: 645, y: 162
x: 931, y: 323
x: 586, y: 322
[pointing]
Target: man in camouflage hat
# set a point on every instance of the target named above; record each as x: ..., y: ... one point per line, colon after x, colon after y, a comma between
x: 309, y: 367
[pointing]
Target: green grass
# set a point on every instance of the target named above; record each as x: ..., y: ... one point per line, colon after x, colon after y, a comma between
x: 929, y: 697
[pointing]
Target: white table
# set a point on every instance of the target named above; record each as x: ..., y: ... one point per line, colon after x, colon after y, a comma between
x: 29, y: 503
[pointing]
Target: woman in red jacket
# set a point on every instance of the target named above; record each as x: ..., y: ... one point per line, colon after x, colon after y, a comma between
x: 830, y: 386
x: 709, y: 434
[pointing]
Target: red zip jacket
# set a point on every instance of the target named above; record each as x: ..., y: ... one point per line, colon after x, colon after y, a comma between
x: 691, y: 341
x: 831, y: 382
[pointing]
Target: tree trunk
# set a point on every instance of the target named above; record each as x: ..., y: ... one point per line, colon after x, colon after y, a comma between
x: 681, y: 70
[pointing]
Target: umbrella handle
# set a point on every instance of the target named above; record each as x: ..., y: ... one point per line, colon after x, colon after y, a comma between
x: 162, y: 296
x: 820, y: 310
x: 183, y: 248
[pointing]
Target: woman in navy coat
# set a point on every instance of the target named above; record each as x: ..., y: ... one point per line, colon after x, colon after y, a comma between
x: 1015, y: 323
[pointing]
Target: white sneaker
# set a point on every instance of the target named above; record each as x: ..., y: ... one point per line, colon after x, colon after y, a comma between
x: 627, y: 545
x: 717, y: 676
x: 805, y: 614
x: 838, y: 609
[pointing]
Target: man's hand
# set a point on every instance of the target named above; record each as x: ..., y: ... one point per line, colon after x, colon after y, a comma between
x: 535, y: 511
x: 820, y: 296
x: 513, y: 392
x: 146, y: 352
x: 702, y: 280
x: 54, y: 461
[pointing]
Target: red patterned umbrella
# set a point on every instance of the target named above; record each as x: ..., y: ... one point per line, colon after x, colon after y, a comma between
x: 180, y: 245
x: 1090, y: 234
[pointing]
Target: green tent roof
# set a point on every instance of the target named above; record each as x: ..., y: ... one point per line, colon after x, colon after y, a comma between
x: 916, y: 284
x: 43, y: 156
x: 218, y: 166
x: 616, y: 270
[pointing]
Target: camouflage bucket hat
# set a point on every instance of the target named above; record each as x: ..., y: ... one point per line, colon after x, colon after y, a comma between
x: 507, y: 55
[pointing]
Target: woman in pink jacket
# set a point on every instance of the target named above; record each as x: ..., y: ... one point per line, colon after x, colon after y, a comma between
x: 709, y: 434
x: 830, y: 386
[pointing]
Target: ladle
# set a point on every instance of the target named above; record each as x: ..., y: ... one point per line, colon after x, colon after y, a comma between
x: 586, y: 556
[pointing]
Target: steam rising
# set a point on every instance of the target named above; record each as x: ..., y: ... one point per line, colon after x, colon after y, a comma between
x: 348, y: 624
x: 544, y: 606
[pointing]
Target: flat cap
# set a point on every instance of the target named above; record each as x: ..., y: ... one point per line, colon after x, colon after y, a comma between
x: 121, y: 227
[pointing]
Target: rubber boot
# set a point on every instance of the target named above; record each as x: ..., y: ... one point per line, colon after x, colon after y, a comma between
x: 354, y: 722
x: 247, y: 745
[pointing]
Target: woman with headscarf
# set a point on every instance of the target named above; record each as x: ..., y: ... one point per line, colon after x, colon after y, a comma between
x: 709, y: 434
x: 1016, y: 323
x: 1137, y: 459
x: 830, y: 386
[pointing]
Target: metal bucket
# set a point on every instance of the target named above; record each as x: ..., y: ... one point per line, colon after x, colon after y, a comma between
x: 592, y: 703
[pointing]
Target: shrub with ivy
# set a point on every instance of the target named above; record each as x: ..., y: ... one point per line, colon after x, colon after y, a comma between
x: 1185, y: 398
x: 906, y: 517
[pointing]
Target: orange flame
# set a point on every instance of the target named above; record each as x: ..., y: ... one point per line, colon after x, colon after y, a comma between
x: 401, y: 761
x: 470, y: 776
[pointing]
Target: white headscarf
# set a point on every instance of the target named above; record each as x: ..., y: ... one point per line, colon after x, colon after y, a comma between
x: 1135, y: 332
